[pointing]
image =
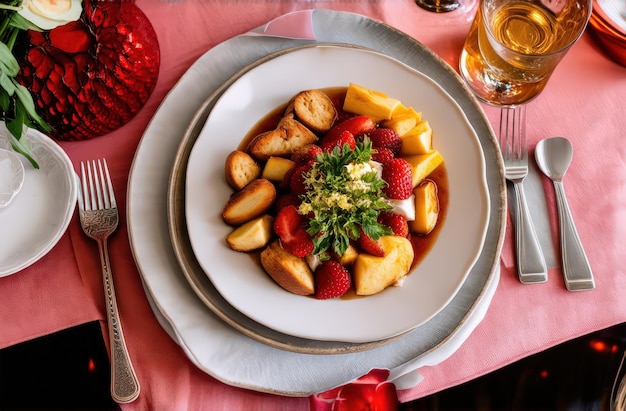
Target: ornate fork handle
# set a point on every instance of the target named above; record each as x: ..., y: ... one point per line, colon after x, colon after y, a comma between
x: 124, y: 383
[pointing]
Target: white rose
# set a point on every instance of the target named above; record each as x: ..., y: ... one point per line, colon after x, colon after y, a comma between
x: 48, y: 14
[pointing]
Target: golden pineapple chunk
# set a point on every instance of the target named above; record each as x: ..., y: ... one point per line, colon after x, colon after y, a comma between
x: 276, y: 168
x: 426, y: 208
x: 365, y: 102
x: 418, y: 140
x: 349, y: 256
x: 252, y: 235
x: 402, y: 119
x: 423, y: 164
x: 401, y: 126
x: 404, y: 111
x: 373, y: 274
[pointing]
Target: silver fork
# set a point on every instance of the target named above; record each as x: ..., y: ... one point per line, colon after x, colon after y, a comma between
x: 99, y: 219
x: 531, y: 265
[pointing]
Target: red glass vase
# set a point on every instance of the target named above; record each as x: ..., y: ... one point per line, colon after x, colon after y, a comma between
x: 91, y: 76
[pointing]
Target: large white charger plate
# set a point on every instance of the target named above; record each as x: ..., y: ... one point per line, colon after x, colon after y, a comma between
x: 39, y: 214
x: 244, y: 284
x: 219, y: 349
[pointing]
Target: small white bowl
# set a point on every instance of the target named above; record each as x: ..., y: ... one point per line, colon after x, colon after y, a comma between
x: 11, y: 176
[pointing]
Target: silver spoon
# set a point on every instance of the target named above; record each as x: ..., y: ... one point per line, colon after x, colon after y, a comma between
x: 554, y: 156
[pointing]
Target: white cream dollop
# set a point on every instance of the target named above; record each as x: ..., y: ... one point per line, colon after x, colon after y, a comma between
x: 404, y: 207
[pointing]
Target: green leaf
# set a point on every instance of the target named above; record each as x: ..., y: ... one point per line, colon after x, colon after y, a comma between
x: 8, y: 63
x: 26, y: 101
x: 19, y: 144
x: 15, y: 125
x: 5, y: 101
x: 22, y: 23
x: 7, y: 84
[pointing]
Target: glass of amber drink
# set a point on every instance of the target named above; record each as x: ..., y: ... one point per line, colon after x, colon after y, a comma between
x: 513, y: 46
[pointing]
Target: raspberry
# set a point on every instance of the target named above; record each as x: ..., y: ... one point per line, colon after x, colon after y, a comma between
x: 398, y: 175
x: 331, y: 280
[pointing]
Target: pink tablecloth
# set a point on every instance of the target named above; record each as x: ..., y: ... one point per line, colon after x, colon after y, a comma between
x: 583, y: 102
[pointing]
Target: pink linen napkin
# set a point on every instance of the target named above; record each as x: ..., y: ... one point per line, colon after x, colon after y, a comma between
x: 31, y: 299
x: 294, y: 25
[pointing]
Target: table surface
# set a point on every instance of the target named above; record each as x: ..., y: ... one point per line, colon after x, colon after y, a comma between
x: 582, y: 101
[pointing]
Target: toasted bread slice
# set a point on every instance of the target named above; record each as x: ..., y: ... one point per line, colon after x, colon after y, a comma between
x: 314, y: 109
x: 250, y: 202
x: 240, y: 169
x: 288, y: 136
x: 290, y: 272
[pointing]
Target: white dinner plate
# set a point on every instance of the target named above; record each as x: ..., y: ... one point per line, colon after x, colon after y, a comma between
x: 41, y: 211
x: 242, y: 282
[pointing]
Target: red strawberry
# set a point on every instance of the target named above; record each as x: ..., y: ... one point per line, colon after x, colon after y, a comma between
x: 286, y: 182
x: 287, y: 200
x: 397, y: 223
x: 398, y: 175
x: 355, y: 125
x: 383, y: 137
x: 343, y: 115
x: 305, y: 154
x: 382, y: 155
x: 329, y: 143
x: 370, y: 246
x: 300, y: 244
x: 287, y: 222
x: 296, y: 183
x: 331, y: 280
x: 290, y: 227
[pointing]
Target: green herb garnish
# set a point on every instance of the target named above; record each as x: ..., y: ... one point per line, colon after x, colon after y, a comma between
x: 345, y: 195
